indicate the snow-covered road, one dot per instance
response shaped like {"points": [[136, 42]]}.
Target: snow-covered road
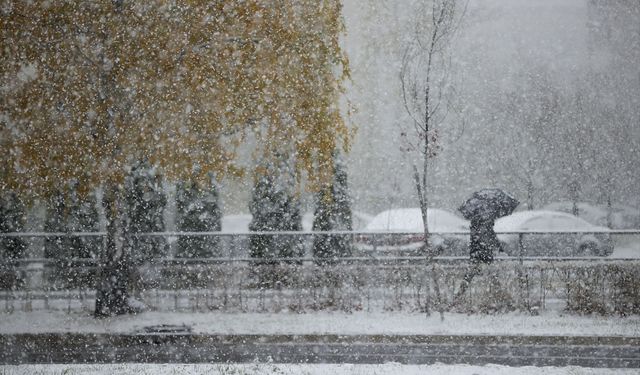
{"points": [[598, 351]]}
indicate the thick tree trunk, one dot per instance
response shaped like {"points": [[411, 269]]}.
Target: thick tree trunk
{"points": [[114, 267]]}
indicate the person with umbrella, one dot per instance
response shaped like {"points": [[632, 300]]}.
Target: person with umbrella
{"points": [[482, 209], [483, 242]]}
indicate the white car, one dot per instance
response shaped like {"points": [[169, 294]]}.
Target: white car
{"points": [[450, 233], [587, 239], [620, 217]]}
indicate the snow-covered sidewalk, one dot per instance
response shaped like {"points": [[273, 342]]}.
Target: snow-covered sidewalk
{"points": [[358, 323], [290, 369]]}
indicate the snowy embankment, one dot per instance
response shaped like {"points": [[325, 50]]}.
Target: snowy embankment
{"points": [[318, 369], [357, 323]]}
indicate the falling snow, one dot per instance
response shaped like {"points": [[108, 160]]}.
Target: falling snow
{"points": [[374, 186]]}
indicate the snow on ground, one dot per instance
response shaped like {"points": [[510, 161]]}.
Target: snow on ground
{"points": [[548, 323], [286, 369]]}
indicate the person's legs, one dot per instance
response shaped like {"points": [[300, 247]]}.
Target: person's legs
{"points": [[475, 269]]}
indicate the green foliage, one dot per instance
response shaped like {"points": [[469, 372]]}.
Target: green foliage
{"points": [[12, 219], [274, 207], [144, 203], [198, 211], [93, 85], [333, 213], [68, 212]]}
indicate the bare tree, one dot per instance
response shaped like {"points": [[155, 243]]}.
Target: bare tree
{"points": [[531, 111], [425, 77]]}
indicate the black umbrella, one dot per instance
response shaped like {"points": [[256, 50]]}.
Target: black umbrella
{"points": [[488, 204]]}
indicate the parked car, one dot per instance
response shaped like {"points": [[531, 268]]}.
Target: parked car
{"points": [[402, 233], [618, 216], [589, 240]]}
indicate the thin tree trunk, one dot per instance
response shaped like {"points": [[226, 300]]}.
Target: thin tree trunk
{"points": [[530, 190], [464, 285], [609, 211], [113, 273], [422, 197]]}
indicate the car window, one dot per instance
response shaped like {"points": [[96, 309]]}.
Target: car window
{"points": [[563, 223], [538, 223]]}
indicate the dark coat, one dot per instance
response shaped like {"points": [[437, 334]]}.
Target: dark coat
{"points": [[484, 241]]}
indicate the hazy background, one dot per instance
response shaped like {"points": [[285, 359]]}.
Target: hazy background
{"points": [[527, 51], [573, 62]]}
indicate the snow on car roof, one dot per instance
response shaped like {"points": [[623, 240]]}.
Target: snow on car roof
{"points": [[622, 216], [542, 220], [236, 223], [410, 220]]}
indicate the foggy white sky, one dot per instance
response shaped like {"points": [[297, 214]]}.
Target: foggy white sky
{"points": [[498, 37], [500, 41]]}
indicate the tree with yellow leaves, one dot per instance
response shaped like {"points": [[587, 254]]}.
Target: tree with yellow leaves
{"points": [[91, 87]]}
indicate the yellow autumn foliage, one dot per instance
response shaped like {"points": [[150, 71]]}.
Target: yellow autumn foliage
{"points": [[89, 86]]}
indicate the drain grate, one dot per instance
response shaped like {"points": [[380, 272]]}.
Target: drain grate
{"points": [[167, 328]]}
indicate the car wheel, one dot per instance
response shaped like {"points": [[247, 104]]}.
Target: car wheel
{"points": [[590, 249], [438, 250], [507, 249]]}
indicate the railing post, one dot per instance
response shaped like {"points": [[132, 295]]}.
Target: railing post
{"points": [[45, 297], [521, 247], [375, 242], [520, 272], [195, 305], [28, 306], [68, 292]]}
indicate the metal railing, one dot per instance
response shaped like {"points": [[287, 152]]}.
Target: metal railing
{"points": [[384, 285], [367, 243], [375, 277]]}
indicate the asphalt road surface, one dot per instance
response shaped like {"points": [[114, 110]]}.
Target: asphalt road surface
{"points": [[603, 352]]}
